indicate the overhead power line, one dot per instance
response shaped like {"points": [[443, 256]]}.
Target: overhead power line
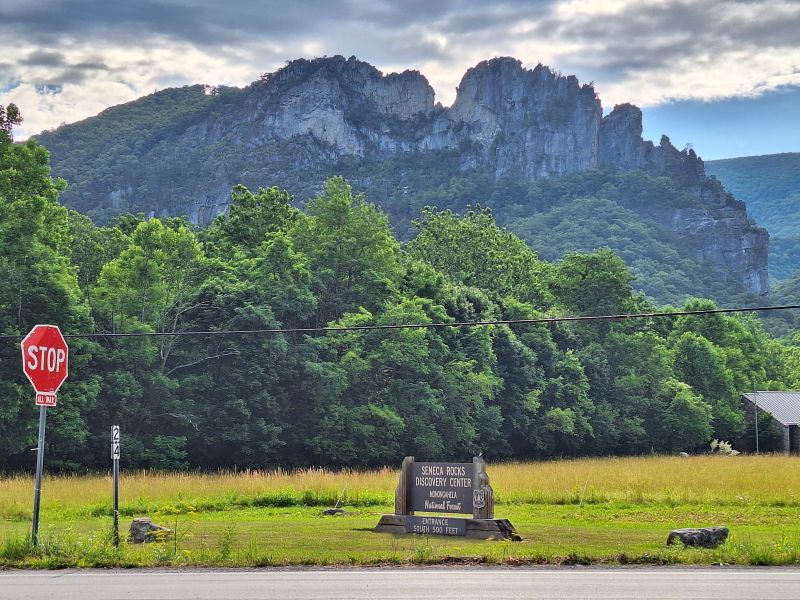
{"points": [[536, 321]]}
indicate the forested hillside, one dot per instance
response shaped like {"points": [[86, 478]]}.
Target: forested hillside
{"points": [[353, 397], [770, 185], [532, 144], [621, 210]]}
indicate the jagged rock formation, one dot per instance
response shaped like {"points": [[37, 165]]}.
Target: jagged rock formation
{"points": [[718, 229], [529, 121], [326, 99], [770, 185], [508, 119], [534, 122]]}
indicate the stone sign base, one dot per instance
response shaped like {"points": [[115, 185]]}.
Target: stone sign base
{"points": [[480, 529]]}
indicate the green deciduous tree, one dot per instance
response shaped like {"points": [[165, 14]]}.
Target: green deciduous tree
{"points": [[702, 366], [352, 254], [38, 285], [687, 418], [593, 284], [250, 218], [473, 250]]}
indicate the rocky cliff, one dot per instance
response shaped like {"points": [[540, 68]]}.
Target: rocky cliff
{"points": [[534, 122], [313, 115], [718, 229]]}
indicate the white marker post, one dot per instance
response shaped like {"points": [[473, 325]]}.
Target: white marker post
{"points": [[115, 453]]}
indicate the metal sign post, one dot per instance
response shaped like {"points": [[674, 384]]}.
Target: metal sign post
{"points": [[755, 401], [37, 489], [45, 362], [115, 452]]}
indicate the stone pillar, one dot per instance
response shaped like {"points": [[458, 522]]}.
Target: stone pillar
{"points": [[482, 493], [402, 495]]}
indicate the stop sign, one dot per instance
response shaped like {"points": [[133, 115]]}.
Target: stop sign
{"points": [[45, 356]]}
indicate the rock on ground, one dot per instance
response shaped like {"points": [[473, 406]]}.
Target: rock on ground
{"points": [[701, 537], [143, 530]]}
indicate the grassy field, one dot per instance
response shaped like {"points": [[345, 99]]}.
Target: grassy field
{"points": [[607, 511]]}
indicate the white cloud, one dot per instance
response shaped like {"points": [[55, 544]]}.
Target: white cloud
{"points": [[74, 61]]}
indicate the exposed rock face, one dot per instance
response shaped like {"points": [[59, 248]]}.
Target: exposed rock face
{"points": [[518, 120], [621, 143], [718, 229], [509, 119], [529, 121], [622, 147], [346, 105]]}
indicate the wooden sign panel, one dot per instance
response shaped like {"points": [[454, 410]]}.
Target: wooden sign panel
{"points": [[461, 488], [436, 525], [442, 487]]}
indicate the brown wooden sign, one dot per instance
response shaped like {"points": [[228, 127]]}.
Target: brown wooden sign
{"points": [[442, 487], [455, 488]]}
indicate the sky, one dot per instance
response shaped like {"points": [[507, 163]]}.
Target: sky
{"points": [[722, 75]]}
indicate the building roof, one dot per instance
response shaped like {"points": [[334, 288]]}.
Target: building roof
{"points": [[783, 406]]}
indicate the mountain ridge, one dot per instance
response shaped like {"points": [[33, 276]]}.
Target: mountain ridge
{"points": [[293, 126]]}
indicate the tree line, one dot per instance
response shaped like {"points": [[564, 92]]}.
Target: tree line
{"points": [[357, 398]]}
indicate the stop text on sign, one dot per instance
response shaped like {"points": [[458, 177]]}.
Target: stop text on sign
{"points": [[46, 359]]}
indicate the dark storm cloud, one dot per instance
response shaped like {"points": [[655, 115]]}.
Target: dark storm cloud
{"points": [[50, 71], [390, 14], [44, 58], [663, 48], [496, 18], [76, 74], [72, 75], [412, 50], [60, 78], [91, 65], [210, 22], [610, 64], [775, 32], [205, 22], [628, 40], [641, 39]]}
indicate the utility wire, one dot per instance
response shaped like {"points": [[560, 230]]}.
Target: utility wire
{"points": [[540, 320]]}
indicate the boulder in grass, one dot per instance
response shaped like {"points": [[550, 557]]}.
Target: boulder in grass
{"points": [[332, 512], [700, 537], [143, 530]]}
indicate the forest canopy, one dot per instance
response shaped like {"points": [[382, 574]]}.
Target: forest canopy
{"points": [[356, 398]]}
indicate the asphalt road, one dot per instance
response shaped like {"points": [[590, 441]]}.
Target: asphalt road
{"points": [[431, 583]]}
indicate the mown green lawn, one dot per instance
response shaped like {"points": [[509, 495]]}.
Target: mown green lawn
{"points": [[557, 534], [601, 510]]}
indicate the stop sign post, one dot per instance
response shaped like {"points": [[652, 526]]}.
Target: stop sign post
{"points": [[45, 362]]}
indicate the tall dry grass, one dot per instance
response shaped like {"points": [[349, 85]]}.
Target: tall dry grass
{"points": [[766, 479], [771, 480], [143, 491]]}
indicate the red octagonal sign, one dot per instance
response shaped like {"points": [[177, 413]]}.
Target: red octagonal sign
{"points": [[45, 357]]}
